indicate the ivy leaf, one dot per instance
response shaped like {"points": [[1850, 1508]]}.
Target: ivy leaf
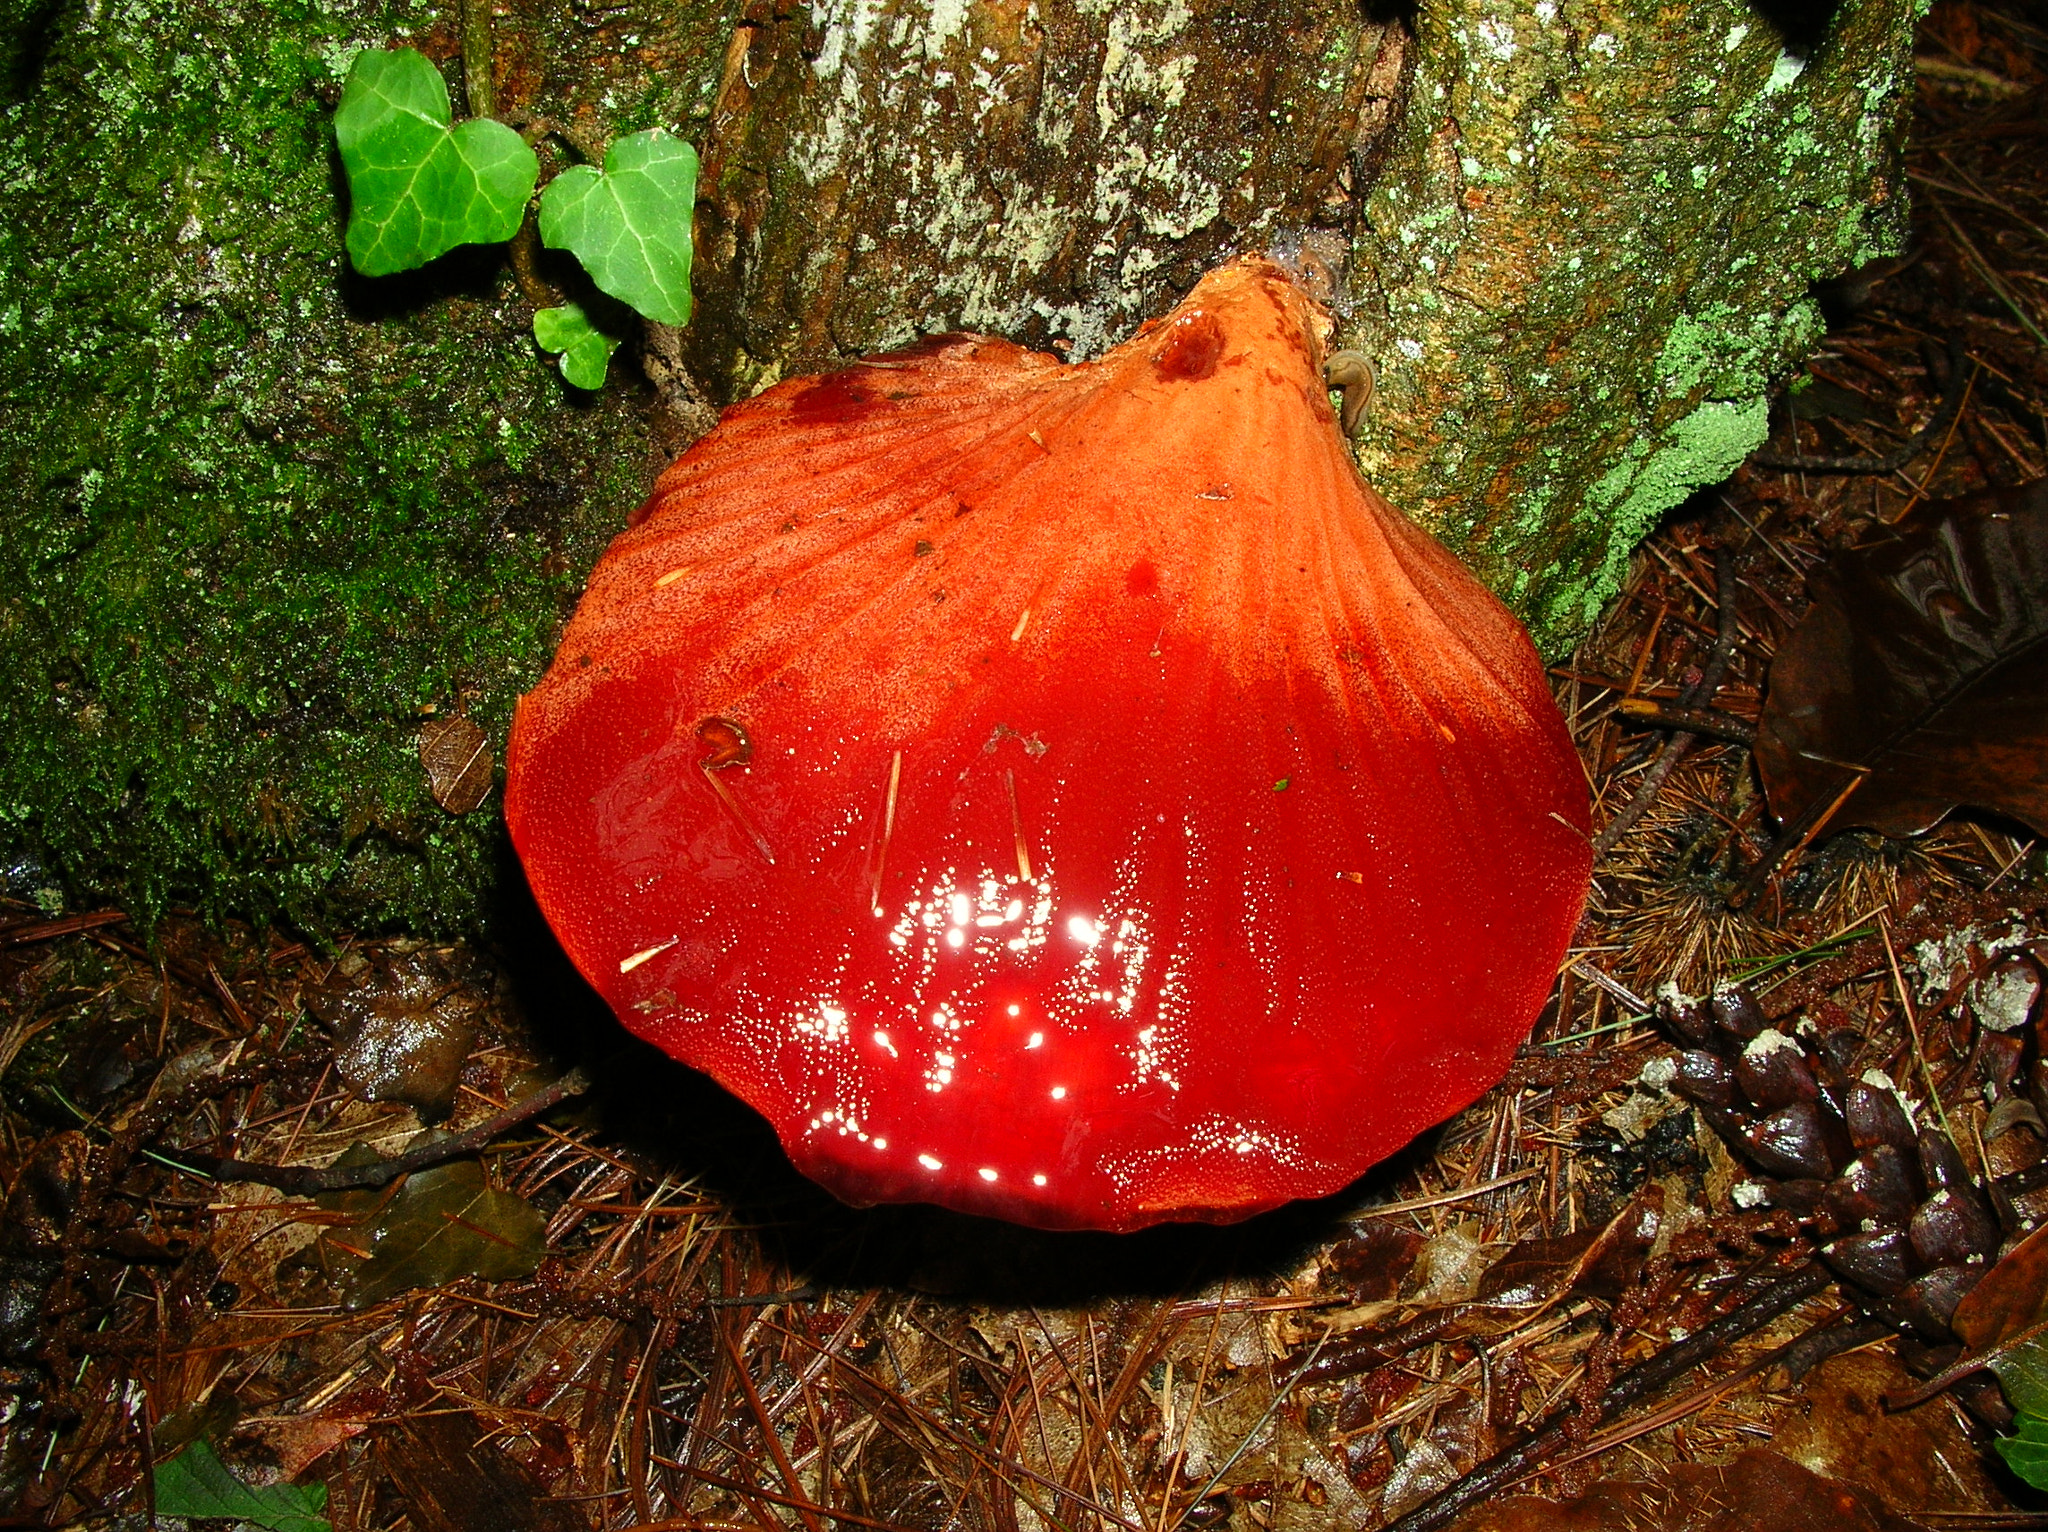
{"points": [[2026, 1450], [1918, 680], [585, 349], [630, 226], [446, 1223], [198, 1483], [416, 188]]}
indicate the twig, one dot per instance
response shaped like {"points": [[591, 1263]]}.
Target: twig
{"points": [[533, 127], [22, 932], [1963, 1366], [764, 1300], [1818, 1345], [1638, 1382], [1906, 1007], [477, 54], [1968, 75], [1697, 695], [1825, 1332], [308, 1180], [1711, 722], [1445, 1199], [1613, 986]]}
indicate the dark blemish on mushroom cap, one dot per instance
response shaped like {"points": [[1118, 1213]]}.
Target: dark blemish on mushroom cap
{"points": [[838, 396], [1194, 345]]}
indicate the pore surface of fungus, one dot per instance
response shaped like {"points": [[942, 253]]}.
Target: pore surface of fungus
{"points": [[1066, 793]]}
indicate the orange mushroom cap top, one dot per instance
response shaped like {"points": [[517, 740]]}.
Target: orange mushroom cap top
{"points": [[1066, 793]]}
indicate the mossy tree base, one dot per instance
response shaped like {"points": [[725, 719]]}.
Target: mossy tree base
{"points": [[1593, 251], [268, 517]]}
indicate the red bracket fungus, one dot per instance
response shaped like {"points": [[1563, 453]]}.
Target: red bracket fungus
{"points": [[1065, 793]]}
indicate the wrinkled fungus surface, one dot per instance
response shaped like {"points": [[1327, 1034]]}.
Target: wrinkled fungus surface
{"points": [[1061, 793]]}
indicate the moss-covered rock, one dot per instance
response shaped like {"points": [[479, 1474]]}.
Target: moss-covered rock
{"points": [[264, 516]]}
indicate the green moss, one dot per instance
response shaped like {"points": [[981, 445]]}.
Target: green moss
{"points": [[264, 515]]}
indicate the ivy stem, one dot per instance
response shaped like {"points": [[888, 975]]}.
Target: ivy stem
{"points": [[533, 128], [523, 250], [477, 53]]}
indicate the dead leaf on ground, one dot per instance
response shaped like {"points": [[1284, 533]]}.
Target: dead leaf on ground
{"points": [[2009, 1299], [255, 1229], [1373, 1261], [403, 1027], [1601, 1261], [1918, 680], [441, 1224], [1758, 1492], [298, 1441], [1452, 1264], [457, 755], [452, 1477], [1920, 1460]]}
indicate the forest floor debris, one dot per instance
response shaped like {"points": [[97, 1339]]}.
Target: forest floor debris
{"points": [[616, 1307]]}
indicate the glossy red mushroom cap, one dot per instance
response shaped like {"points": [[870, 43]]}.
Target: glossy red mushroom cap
{"points": [[1066, 793]]}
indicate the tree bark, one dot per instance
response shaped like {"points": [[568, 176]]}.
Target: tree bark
{"points": [[1582, 233], [1593, 252], [1055, 173]]}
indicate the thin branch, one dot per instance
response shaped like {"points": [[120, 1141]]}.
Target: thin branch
{"points": [[308, 1180], [1711, 722], [477, 55], [1639, 1382]]}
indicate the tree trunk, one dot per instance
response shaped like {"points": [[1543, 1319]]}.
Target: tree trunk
{"points": [[268, 517], [1593, 252], [1582, 233]]}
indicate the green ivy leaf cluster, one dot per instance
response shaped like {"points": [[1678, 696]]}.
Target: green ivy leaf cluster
{"points": [[585, 350], [419, 187]]}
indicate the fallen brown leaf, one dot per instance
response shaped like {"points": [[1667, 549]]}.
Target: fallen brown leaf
{"points": [[1758, 1492], [1918, 680], [457, 755]]}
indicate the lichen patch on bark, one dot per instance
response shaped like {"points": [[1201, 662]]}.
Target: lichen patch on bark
{"points": [[1054, 171], [1590, 257]]}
